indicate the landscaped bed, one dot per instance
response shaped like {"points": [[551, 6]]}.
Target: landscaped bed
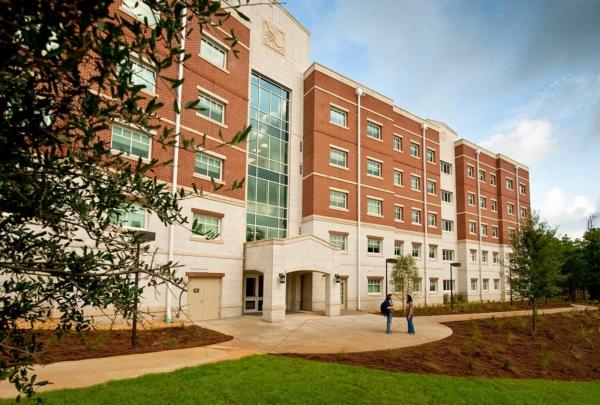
{"points": [[566, 346], [479, 307]]}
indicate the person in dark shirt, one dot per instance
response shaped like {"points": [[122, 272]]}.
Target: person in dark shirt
{"points": [[388, 307]]}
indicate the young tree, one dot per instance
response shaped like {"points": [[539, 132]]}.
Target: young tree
{"points": [[65, 76], [403, 274], [591, 254], [535, 263]]}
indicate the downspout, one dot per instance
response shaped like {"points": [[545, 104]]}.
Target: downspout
{"points": [[169, 317], [425, 218], [359, 93], [479, 226]]}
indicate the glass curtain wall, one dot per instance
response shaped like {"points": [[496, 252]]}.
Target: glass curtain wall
{"points": [[267, 160]]}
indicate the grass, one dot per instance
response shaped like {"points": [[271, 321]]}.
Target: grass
{"points": [[271, 379]]}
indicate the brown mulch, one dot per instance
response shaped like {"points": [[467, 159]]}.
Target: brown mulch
{"points": [[565, 347], [483, 307], [103, 343]]}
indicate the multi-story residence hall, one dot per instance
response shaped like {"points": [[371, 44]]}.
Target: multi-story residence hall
{"points": [[338, 179]]}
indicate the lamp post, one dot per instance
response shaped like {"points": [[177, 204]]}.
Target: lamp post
{"points": [[456, 264], [386, 273]]}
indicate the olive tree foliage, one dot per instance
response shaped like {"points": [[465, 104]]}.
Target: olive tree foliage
{"points": [[65, 76], [535, 263], [403, 274]]}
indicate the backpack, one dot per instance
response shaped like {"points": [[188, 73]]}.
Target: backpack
{"points": [[383, 308]]}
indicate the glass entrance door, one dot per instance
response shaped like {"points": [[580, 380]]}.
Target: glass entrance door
{"points": [[253, 293]]}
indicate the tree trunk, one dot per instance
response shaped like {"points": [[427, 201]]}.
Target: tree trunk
{"points": [[533, 316]]}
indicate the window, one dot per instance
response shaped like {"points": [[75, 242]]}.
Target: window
{"points": [[447, 196], [470, 170], [482, 202], [338, 157], [473, 254], [432, 219], [143, 75], [374, 206], [447, 284], [484, 229], [433, 251], [373, 168], [397, 141], [416, 250], [511, 233], [493, 179], [373, 130], [414, 149], [445, 167], [496, 284], [471, 199], [416, 285], [398, 213], [482, 175], [141, 11], [447, 255], [374, 246], [374, 286], [473, 284], [430, 156], [509, 184], [398, 180], [206, 225], [130, 142], [495, 257], [431, 187], [415, 183], [510, 208], [211, 108], [433, 284], [338, 116], [521, 188], [209, 166], [494, 205], [131, 217], [398, 248], [494, 231], [213, 52], [486, 284], [339, 240], [415, 216], [447, 225], [484, 256], [338, 199], [523, 213], [472, 228]]}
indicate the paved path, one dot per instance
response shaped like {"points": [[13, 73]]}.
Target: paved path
{"points": [[300, 333]]}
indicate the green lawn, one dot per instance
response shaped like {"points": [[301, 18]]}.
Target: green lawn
{"points": [[271, 379]]}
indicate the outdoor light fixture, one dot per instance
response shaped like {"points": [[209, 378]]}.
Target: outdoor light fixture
{"points": [[281, 278], [337, 278]]}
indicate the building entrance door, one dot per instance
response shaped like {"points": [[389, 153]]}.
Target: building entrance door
{"points": [[253, 293]]}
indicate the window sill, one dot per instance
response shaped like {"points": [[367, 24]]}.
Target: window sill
{"points": [[339, 167], [338, 125], [375, 215], [374, 254], [379, 293], [198, 238], [214, 64], [415, 157], [415, 223], [398, 150], [128, 156], [399, 185], [375, 139], [339, 209], [211, 120], [399, 220], [211, 179]]}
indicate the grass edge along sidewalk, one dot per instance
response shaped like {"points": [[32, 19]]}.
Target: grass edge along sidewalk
{"points": [[273, 379]]}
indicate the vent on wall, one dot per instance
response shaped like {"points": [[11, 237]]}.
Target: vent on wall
{"points": [[300, 168]]}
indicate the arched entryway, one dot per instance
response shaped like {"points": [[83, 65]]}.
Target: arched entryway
{"points": [[305, 291]]}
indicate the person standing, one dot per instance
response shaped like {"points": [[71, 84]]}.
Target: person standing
{"points": [[387, 309], [410, 313]]}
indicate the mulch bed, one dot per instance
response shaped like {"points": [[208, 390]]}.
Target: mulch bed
{"points": [[474, 308], [102, 343], [565, 347]]}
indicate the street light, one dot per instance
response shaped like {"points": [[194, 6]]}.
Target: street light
{"points": [[456, 264], [386, 273]]}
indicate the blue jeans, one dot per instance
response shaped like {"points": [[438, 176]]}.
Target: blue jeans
{"points": [[411, 327], [389, 317]]}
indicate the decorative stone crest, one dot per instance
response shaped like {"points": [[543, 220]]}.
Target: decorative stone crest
{"points": [[274, 38]]}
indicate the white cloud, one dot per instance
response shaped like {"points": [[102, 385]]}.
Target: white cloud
{"points": [[529, 141], [569, 214]]}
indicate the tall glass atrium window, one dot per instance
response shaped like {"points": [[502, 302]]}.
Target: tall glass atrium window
{"points": [[267, 160]]}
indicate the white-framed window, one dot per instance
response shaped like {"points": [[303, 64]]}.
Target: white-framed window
{"points": [[509, 184], [471, 199], [206, 225], [447, 196], [430, 156], [493, 179], [431, 189], [447, 225], [433, 284], [473, 254], [523, 213], [433, 251], [472, 228], [374, 286], [416, 250], [522, 189], [415, 183], [494, 205], [339, 240], [416, 285], [482, 202], [398, 178], [133, 217], [338, 199], [495, 257], [213, 52], [496, 284], [130, 142], [494, 231], [397, 142], [141, 11], [481, 175], [338, 116], [486, 284], [484, 256], [432, 219], [415, 216], [374, 245], [470, 171], [373, 130], [374, 168], [445, 167], [510, 208], [212, 108], [473, 284], [374, 207], [209, 166], [447, 255], [338, 157], [398, 248], [142, 74], [483, 229], [511, 233], [398, 213], [414, 149], [447, 285]]}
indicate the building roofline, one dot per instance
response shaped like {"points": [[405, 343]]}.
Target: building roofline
{"points": [[489, 153], [442, 124], [294, 19]]}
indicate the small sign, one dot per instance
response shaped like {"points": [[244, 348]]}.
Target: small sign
{"points": [[196, 290]]}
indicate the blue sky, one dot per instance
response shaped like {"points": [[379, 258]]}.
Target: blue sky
{"points": [[517, 77]]}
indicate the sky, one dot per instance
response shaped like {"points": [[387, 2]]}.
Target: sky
{"points": [[516, 77]]}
